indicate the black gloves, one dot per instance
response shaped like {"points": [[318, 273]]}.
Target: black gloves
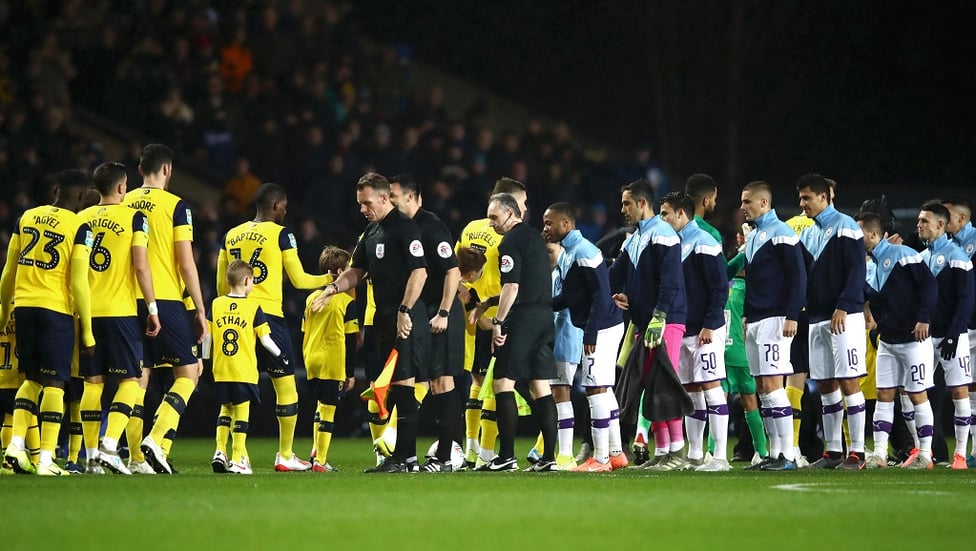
{"points": [[948, 347]]}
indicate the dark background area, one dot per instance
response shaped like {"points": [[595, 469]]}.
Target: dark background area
{"points": [[870, 93]]}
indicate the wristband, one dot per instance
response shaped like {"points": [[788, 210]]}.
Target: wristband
{"points": [[153, 309]]}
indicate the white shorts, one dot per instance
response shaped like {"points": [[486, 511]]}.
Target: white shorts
{"points": [[958, 371], [908, 365], [565, 373], [600, 367], [767, 350], [838, 356], [705, 363]]}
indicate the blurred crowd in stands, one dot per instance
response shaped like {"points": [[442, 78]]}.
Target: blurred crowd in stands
{"points": [[255, 91]]}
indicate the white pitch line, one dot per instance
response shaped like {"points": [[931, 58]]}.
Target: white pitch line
{"points": [[825, 487]]}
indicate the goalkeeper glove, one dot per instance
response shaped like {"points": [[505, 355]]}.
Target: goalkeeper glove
{"points": [[948, 347], [655, 329]]}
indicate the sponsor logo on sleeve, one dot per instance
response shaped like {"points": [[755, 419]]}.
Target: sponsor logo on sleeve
{"points": [[416, 248], [189, 217], [89, 239], [291, 241], [506, 264], [444, 249]]}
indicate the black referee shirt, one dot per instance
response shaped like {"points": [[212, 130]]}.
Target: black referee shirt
{"points": [[389, 250], [438, 252], [523, 259]]}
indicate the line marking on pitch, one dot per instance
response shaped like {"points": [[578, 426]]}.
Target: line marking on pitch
{"points": [[832, 488]]}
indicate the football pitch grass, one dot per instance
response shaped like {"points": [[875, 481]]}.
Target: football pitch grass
{"points": [[196, 509]]}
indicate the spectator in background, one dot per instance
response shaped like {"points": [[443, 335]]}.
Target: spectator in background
{"points": [[236, 61], [242, 187]]}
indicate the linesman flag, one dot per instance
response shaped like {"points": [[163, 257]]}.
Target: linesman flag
{"points": [[379, 388]]}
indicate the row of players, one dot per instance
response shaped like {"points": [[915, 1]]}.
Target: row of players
{"points": [[648, 256]]}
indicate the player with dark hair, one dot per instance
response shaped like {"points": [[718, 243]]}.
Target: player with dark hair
{"points": [[900, 298], [953, 272], [776, 282], [119, 251], [445, 314], [46, 279], [835, 308], [585, 292], [173, 270], [392, 254], [702, 359], [704, 194], [646, 279], [271, 249], [522, 332]]}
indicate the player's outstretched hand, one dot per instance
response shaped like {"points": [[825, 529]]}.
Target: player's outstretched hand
{"points": [[202, 326]]}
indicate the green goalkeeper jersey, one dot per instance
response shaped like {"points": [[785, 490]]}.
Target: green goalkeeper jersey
{"points": [[735, 349]]}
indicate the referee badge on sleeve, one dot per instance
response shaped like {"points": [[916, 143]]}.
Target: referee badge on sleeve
{"points": [[416, 248], [444, 249], [506, 264]]}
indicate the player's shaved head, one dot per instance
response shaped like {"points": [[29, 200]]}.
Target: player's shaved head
{"points": [[959, 204], [72, 179], [870, 222], [268, 195], [564, 210], [237, 272], [760, 189]]}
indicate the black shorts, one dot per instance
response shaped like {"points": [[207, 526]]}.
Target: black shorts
{"points": [[175, 345], [45, 342], [482, 352], [414, 360], [527, 354], [118, 349], [372, 362], [447, 348], [236, 393], [7, 396], [800, 349], [282, 338]]}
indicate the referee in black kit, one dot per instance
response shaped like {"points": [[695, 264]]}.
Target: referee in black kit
{"points": [[446, 318], [522, 332], [392, 253]]}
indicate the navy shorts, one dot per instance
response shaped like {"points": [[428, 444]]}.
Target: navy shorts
{"points": [[414, 359], [74, 390], [327, 391], [7, 396], [175, 345], [118, 349], [447, 348], [236, 393], [282, 338], [45, 342], [527, 354]]}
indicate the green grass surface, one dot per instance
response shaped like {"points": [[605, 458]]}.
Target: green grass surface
{"points": [[884, 509]]}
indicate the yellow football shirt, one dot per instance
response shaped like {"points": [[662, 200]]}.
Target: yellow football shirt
{"points": [[268, 248], [117, 229], [10, 377], [324, 336], [170, 221], [236, 325], [479, 235], [47, 237]]}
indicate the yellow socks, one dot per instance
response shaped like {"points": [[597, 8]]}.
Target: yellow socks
{"points": [[472, 413], [376, 425], [795, 396], [323, 434], [121, 410], [91, 415], [25, 407], [173, 406], [224, 419], [489, 428], [51, 413], [241, 414], [286, 409]]}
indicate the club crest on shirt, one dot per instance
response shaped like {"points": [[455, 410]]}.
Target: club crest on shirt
{"points": [[886, 264], [380, 250], [687, 247], [763, 235], [416, 248], [444, 249], [940, 260], [969, 249], [829, 232], [506, 264]]}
